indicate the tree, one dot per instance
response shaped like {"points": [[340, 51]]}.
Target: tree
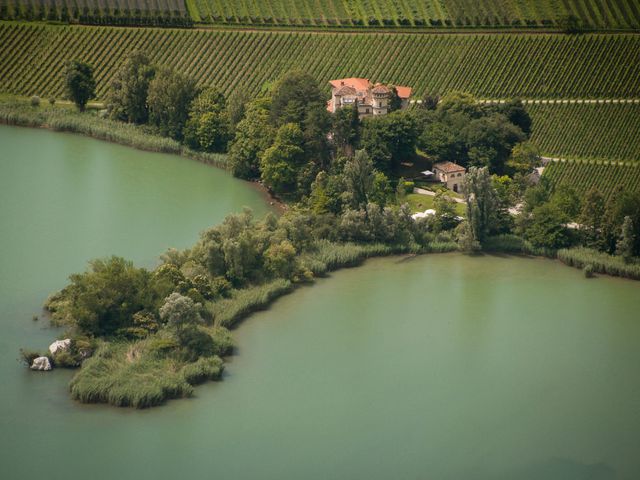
{"points": [[395, 102], [79, 82], [104, 299], [546, 227], [345, 129], [517, 114], [127, 96], [525, 156], [430, 102], [254, 134], [625, 245], [359, 174], [280, 163], [491, 138], [591, 218], [169, 99], [439, 141], [208, 127], [293, 97], [622, 203], [390, 139], [179, 311], [236, 106], [280, 260], [481, 200]]}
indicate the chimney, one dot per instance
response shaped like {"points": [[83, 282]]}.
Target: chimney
{"points": [[342, 84]]}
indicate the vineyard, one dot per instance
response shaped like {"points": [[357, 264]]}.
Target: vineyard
{"points": [[99, 12], [582, 175], [542, 66], [597, 131], [590, 14], [419, 13]]}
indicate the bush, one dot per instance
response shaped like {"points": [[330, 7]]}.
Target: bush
{"points": [[408, 186], [35, 101], [52, 101]]}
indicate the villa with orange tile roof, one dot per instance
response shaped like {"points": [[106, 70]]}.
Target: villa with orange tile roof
{"points": [[369, 98]]}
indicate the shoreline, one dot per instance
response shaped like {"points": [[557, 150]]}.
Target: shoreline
{"points": [[203, 157]]}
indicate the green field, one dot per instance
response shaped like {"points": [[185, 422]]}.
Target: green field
{"points": [[582, 175], [416, 13], [588, 131], [542, 66]]}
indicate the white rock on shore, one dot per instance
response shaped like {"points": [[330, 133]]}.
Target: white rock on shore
{"points": [[41, 363], [59, 345]]}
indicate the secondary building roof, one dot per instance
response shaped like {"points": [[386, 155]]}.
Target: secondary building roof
{"points": [[448, 167]]}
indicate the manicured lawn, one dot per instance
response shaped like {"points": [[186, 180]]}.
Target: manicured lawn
{"points": [[420, 203]]}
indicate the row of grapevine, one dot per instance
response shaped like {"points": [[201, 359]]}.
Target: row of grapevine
{"points": [[99, 12], [587, 130], [582, 175], [420, 13], [490, 66]]}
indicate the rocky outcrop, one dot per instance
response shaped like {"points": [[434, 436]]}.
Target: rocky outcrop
{"points": [[59, 345], [41, 363]]}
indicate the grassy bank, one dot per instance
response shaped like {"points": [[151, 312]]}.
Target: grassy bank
{"points": [[19, 112]]}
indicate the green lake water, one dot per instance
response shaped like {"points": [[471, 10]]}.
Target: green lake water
{"points": [[435, 367]]}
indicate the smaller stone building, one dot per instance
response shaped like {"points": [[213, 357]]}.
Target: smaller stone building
{"points": [[450, 174]]}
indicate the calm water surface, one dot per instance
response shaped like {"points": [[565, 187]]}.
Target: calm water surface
{"points": [[438, 367]]}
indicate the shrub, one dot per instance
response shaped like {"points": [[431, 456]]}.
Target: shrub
{"points": [[52, 101], [35, 101]]}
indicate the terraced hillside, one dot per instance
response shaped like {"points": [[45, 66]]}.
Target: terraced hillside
{"points": [[419, 13], [32, 58], [581, 175], [587, 130]]}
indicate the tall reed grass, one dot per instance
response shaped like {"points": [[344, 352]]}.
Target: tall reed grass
{"points": [[599, 262]]}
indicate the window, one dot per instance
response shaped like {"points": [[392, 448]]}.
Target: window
{"points": [[366, 111]]}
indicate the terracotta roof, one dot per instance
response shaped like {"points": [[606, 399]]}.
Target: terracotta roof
{"points": [[357, 83], [448, 167], [403, 92], [346, 90], [380, 89]]}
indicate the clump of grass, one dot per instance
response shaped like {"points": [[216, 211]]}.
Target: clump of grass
{"points": [[203, 369]]}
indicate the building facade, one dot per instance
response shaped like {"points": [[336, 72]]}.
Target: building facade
{"points": [[369, 98], [450, 174]]}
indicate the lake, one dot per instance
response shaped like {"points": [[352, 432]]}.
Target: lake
{"points": [[434, 367]]}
